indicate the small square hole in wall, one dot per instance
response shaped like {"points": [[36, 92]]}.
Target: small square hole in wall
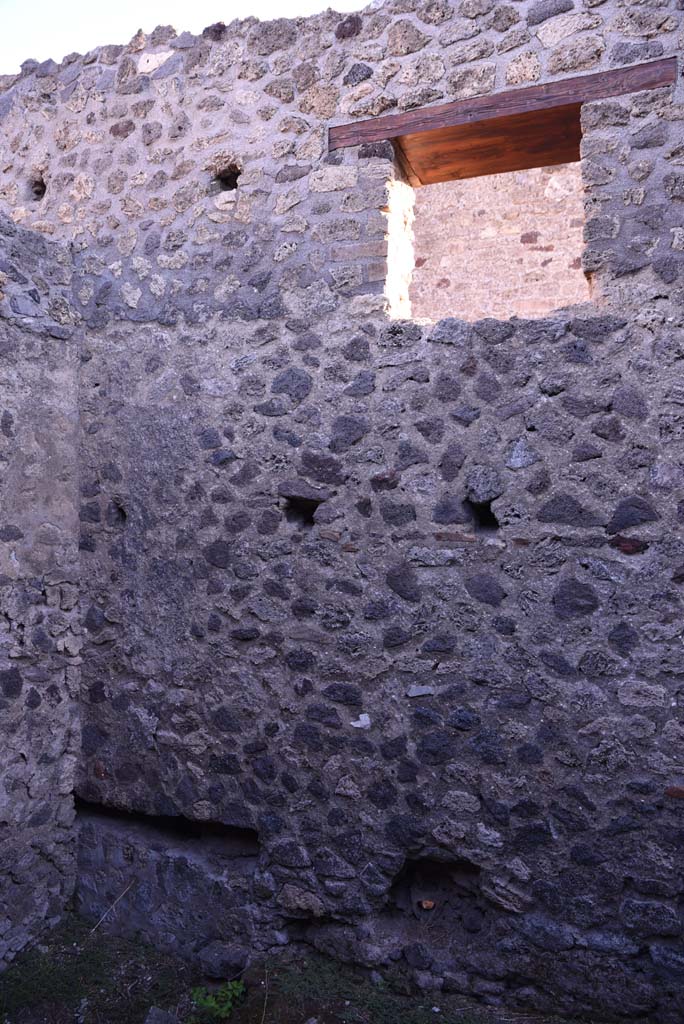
{"points": [[37, 188], [226, 178], [499, 246]]}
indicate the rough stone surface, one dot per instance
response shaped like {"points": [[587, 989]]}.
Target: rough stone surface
{"points": [[39, 627], [315, 625]]}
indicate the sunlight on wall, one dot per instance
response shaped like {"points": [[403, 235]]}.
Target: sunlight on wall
{"points": [[400, 257], [499, 246]]}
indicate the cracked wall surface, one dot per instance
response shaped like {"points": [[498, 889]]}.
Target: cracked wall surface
{"points": [[389, 595]]}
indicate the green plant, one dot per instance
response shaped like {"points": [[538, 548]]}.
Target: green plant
{"points": [[217, 1004]]}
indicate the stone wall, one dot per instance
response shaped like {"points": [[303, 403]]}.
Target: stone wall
{"points": [[39, 630], [403, 599], [499, 246]]}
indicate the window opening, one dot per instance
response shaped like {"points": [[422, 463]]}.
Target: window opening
{"points": [[453, 252], [502, 245]]}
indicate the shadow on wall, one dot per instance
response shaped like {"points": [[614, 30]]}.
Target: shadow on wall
{"points": [[181, 884]]}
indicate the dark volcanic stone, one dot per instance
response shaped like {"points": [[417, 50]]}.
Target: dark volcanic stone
{"points": [[300, 660], [357, 73], [10, 683], [290, 854], [324, 468], [485, 588], [544, 9], [435, 748], [92, 739], [10, 532], [293, 382], [94, 620], [225, 720], [403, 580], [344, 693], [630, 402], [450, 509], [324, 715], [610, 428], [395, 636], [349, 27], [382, 793], [668, 960], [441, 643], [648, 917], [219, 553], [409, 455], [564, 508], [220, 960], [623, 638], [347, 431], [585, 451], [397, 513], [451, 462], [572, 599], [362, 385], [632, 511]]}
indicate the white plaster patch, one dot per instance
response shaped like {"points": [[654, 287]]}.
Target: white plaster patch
{"points": [[288, 200], [175, 262], [285, 250], [225, 200], [419, 691], [551, 32], [333, 179], [141, 266], [157, 285], [131, 295], [148, 62]]}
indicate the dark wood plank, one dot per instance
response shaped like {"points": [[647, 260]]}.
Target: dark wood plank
{"points": [[580, 89], [515, 143]]}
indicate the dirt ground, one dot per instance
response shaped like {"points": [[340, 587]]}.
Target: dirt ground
{"points": [[76, 976]]}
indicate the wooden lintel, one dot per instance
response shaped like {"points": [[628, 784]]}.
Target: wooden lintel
{"points": [[501, 144], [405, 164], [567, 91]]}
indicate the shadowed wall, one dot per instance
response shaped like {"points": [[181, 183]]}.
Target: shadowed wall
{"points": [[386, 595]]}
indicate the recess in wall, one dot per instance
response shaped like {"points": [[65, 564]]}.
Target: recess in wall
{"points": [[301, 511], [227, 178], [482, 516], [38, 187]]}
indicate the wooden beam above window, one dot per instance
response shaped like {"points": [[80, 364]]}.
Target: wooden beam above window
{"points": [[508, 131], [492, 147]]}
